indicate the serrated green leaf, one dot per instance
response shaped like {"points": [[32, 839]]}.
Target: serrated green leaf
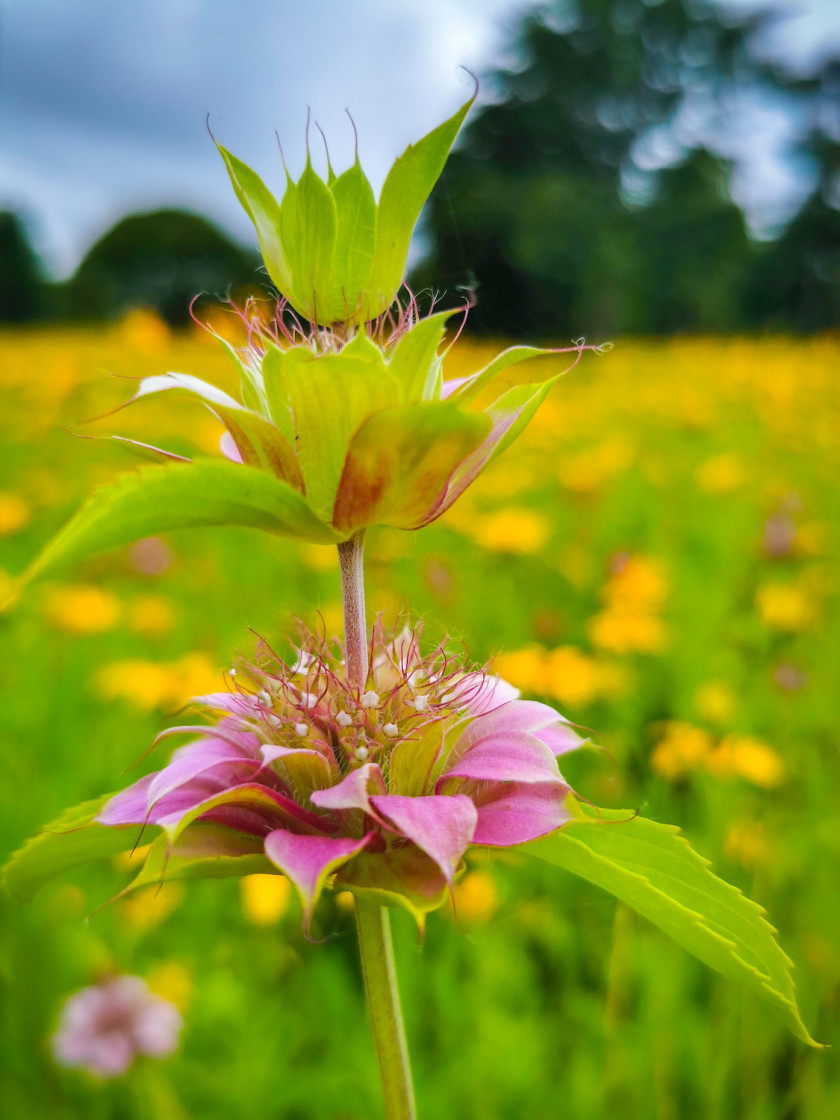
{"points": [[68, 842], [264, 211], [654, 870], [407, 186], [160, 499], [356, 211]]}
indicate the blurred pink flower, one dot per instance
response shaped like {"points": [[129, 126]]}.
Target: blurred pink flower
{"points": [[104, 1027], [383, 787]]}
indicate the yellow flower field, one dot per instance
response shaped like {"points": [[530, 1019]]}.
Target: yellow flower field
{"points": [[657, 555]]}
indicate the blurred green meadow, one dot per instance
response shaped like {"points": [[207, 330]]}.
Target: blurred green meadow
{"points": [[656, 556]]}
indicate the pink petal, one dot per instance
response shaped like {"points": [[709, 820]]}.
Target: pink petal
{"points": [[308, 860], [511, 757], [227, 446], [129, 806], [516, 813], [484, 693], [352, 792], [441, 826], [227, 764], [236, 703], [522, 715]]}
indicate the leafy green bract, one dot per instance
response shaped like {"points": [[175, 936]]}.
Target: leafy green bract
{"points": [[654, 870]]}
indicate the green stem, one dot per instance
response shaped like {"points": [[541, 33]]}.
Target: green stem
{"points": [[373, 921], [383, 1001], [351, 561]]}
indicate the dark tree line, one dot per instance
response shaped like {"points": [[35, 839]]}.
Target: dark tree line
{"points": [[159, 260], [548, 212], [550, 209]]}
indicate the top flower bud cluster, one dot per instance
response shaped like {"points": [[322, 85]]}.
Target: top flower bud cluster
{"points": [[334, 253]]}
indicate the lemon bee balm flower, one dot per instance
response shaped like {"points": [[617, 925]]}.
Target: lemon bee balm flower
{"points": [[380, 788]]}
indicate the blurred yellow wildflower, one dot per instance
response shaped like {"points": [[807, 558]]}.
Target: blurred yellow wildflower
{"points": [[681, 749], [720, 474], [571, 677], [173, 981], [633, 594], [82, 608], [715, 701], [476, 897], [785, 606], [744, 756], [746, 843], [684, 748], [627, 631], [265, 898], [513, 529], [147, 684], [143, 330], [151, 905], [14, 513], [151, 614]]}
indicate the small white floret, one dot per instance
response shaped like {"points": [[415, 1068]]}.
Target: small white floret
{"points": [[420, 703], [361, 754], [308, 699], [343, 719], [265, 698], [370, 699], [302, 729], [391, 730], [231, 672]]}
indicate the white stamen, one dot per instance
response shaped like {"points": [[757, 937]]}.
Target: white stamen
{"points": [[308, 699], [361, 754], [275, 721], [343, 719], [391, 730], [420, 703], [302, 729], [265, 698], [370, 699], [304, 660], [231, 672]]}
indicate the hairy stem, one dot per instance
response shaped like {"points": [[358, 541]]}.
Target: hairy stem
{"points": [[351, 561], [383, 1001], [372, 921]]}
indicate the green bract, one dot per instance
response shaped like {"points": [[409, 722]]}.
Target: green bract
{"points": [[326, 439], [335, 253]]}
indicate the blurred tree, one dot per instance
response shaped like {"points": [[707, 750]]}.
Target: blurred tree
{"points": [[579, 199], [796, 280], [23, 293], [160, 260]]}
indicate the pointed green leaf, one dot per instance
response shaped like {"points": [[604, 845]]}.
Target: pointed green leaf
{"points": [[652, 868], [399, 462], [262, 208], [479, 381], [414, 362], [308, 228], [160, 499], [356, 211], [408, 185], [330, 399], [68, 842], [522, 401]]}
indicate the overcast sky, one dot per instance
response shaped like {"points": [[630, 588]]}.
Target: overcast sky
{"points": [[103, 103]]}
